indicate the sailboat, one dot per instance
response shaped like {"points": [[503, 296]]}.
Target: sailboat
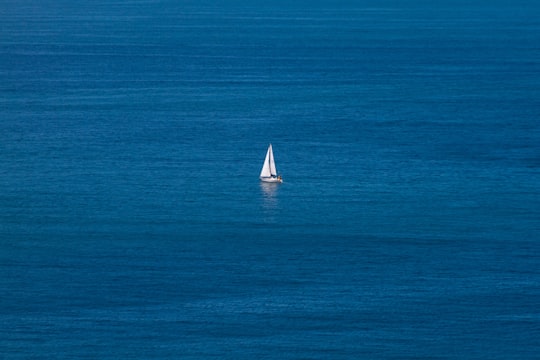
{"points": [[269, 172]]}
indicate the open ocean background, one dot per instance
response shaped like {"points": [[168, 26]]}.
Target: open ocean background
{"points": [[133, 224]]}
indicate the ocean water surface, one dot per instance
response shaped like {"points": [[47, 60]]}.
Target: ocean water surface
{"points": [[133, 223]]}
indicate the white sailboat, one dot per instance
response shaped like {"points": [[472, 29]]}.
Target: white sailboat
{"points": [[269, 172]]}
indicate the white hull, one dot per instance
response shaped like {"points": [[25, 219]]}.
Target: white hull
{"points": [[271, 179]]}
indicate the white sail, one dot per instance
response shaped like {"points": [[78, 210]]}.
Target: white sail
{"points": [[268, 162], [268, 171]]}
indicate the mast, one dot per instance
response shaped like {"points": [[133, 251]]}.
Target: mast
{"points": [[273, 171]]}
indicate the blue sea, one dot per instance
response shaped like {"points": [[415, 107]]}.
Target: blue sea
{"points": [[133, 224]]}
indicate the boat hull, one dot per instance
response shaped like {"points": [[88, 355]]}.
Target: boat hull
{"points": [[271, 179]]}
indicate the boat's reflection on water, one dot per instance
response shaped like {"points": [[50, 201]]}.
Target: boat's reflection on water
{"points": [[269, 195]]}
